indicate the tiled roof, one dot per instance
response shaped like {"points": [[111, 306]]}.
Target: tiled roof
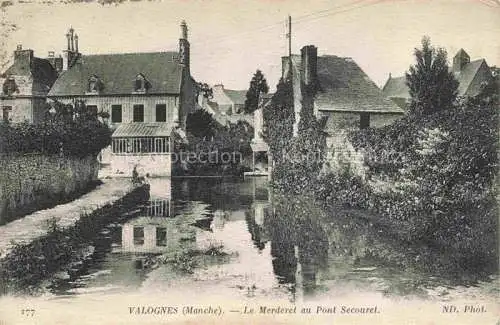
{"points": [[397, 88], [137, 129], [238, 97], [466, 76], [118, 72], [41, 71], [343, 86]]}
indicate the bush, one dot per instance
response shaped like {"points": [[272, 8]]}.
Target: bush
{"points": [[72, 136]]}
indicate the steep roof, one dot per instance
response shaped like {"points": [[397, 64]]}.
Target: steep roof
{"points": [[41, 71], [156, 129], [397, 88], [236, 96], [344, 86], [466, 76], [117, 72]]}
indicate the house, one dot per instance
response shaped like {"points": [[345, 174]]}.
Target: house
{"points": [[338, 90], [228, 101], [25, 85], [226, 105], [470, 75], [147, 96]]}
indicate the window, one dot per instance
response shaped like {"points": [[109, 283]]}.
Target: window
{"points": [[158, 208], [138, 113], [161, 236], [138, 235], [95, 84], [141, 145], [161, 113], [364, 121], [9, 86], [116, 113], [141, 84], [5, 113], [92, 110]]}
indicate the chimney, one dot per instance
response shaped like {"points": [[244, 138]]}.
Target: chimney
{"points": [[58, 64], [309, 67], [184, 30], [184, 46], [460, 60], [51, 58], [72, 39], [71, 53], [23, 58], [76, 43]]}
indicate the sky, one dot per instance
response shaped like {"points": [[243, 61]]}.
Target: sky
{"points": [[231, 39]]}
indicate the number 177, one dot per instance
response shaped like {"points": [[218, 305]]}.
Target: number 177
{"points": [[28, 312]]}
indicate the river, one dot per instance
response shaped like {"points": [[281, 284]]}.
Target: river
{"points": [[233, 240]]}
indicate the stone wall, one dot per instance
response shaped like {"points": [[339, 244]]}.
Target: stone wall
{"points": [[32, 182], [341, 157], [127, 103]]}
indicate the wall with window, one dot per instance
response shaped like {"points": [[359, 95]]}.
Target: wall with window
{"points": [[155, 235], [354, 120], [16, 110], [123, 109]]}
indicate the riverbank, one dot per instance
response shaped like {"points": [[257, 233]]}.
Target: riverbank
{"points": [[33, 226], [57, 240]]}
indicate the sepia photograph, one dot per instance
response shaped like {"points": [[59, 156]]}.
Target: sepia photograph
{"points": [[249, 162]]}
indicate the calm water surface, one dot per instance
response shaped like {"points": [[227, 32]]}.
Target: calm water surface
{"points": [[277, 247]]}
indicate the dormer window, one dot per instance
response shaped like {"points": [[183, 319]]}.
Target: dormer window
{"points": [[141, 84], [9, 86], [95, 85]]}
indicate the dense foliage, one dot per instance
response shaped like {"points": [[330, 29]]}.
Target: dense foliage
{"points": [[298, 159], [258, 85], [210, 145], [440, 169], [70, 130], [431, 85], [201, 124], [278, 120]]}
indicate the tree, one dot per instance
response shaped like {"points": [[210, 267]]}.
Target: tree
{"points": [[431, 85], [201, 124], [205, 90], [258, 84], [279, 117]]}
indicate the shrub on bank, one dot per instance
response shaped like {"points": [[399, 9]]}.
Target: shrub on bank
{"points": [[446, 168], [71, 131]]}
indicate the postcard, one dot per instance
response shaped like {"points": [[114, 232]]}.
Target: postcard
{"points": [[256, 162]]}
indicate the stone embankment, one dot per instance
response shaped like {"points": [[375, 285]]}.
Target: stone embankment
{"points": [[36, 225]]}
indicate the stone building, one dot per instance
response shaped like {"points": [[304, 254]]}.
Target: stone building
{"points": [[25, 85], [147, 97], [131, 87], [338, 90], [470, 75]]}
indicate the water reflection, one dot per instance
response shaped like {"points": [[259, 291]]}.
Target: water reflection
{"points": [[283, 245]]}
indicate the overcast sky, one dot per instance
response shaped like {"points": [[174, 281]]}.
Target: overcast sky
{"points": [[231, 39]]}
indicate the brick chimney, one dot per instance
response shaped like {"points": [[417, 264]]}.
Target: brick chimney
{"points": [[23, 58], [309, 67], [71, 53], [184, 46], [459, 60]]}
